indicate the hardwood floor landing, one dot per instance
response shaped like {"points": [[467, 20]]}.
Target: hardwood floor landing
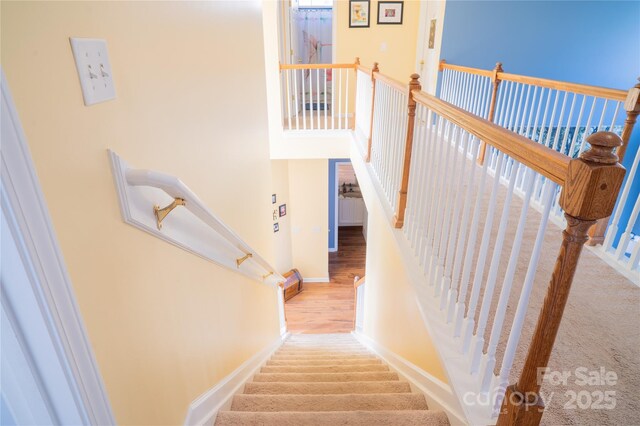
{"points": [[328, 308]]}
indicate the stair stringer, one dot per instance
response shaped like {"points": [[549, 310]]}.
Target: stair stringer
{"points": [[465, 386]]}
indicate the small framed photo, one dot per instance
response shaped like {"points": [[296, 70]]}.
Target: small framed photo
{"points": [[359, 13], [273, 198], [276, 227], [390, 12], [283, 210]]}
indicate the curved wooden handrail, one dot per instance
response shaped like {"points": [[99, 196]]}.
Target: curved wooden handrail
{"points": [[314, 66], [581, 89], [391, 82], [357, 282], [540, 158]]}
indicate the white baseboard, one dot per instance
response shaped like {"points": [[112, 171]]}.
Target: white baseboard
{"points": [[316, 280], [203, 410], [439, 395]]}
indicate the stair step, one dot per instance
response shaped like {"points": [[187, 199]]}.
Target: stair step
{"points": [[333, 361], [325, 377], [345, 402], [323, 368], [341, 356], [333, 418], [323, 388], [321, 352]]}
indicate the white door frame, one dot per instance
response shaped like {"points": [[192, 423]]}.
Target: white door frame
{"points": [[23, 202], [336, 201]]}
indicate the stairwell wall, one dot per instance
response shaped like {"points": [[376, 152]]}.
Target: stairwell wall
{"points": [[165, 325]]}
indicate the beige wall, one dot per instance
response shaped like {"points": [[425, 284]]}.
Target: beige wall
{"points": [[392, 46], [282, 238], [309, 194], [165, 325]]}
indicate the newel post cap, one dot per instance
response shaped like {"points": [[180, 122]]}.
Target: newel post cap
{"points": [[594, 180], [414, 84]]}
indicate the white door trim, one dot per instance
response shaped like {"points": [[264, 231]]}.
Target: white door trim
{"points": [[23, 198]]}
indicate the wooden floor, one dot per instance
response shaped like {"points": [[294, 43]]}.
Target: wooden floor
{"points": [[328, 308]]}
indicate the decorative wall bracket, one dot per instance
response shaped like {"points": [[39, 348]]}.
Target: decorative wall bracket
{"points": [[264, 277], [161, 213], [242, 259]]}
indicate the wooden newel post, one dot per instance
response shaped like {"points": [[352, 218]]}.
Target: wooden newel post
{"points": [[589, 194], [632, 106], [492, 107], [374, 70], [398, 219]]}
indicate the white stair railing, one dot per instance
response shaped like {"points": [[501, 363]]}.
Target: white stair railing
{"points": [[317, 96], [560, 116]]}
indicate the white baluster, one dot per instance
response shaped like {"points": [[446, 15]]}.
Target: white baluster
{"points": [[507, 284], [604, 111], [612, 229], [482, 257], [623, 243], [326, 106], [491, 279], [295, 91], [525, 293], [587, 128], [576, 130], [471, 249]]}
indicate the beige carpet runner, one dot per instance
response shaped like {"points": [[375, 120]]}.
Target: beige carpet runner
{"points": [[328, 379]]}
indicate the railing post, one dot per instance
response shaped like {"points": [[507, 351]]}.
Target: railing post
{"points": [[374, 70], [492, 107], [632, 106], [398, 219], [589, 193]]}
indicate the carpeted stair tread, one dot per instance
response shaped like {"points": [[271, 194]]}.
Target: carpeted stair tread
{"points": [[323, 388], [334, 418], [322, 352], [335, 356], [331, 361], [326, 377], [323, 368], [345, 402]]}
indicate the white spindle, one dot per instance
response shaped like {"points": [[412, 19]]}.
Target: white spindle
{"points": [[304, 104], [612, 230], [525, 293], [507, 283], [333, 98], [346, 101], [491, 278], [482, 257], [623, 243], [295, 91], [339, 98], [604, 111], [311, 114]]}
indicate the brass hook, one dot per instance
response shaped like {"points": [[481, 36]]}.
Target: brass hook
{"points": [[242, 259], [264, 277], [162, 213]]}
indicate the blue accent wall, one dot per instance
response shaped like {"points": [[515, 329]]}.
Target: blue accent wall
{"points": [[588, 42], [333, 220]]}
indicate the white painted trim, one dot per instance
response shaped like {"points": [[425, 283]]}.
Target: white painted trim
{"points": [[24, 197], [439, 395], [203, 410], [316, 280], [333, 250]]}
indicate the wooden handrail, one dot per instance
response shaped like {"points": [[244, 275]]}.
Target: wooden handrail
{"points": [[364, 69], [391, 82], [540, 158], [444, 65], [357, 282], [582, 89], [315, 66]]}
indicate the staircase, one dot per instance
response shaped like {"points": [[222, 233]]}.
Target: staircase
{"points": [[328, 379]]}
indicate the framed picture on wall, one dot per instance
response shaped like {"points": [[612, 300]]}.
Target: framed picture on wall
{"points": [[359, 13], [276, 227], [283, 210], [273, 198], [390, 12]]}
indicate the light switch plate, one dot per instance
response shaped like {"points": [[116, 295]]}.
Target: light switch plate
{"points": [[94, 69]]}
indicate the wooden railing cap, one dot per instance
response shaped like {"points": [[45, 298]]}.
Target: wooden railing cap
{"points": [[602, 146]]}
